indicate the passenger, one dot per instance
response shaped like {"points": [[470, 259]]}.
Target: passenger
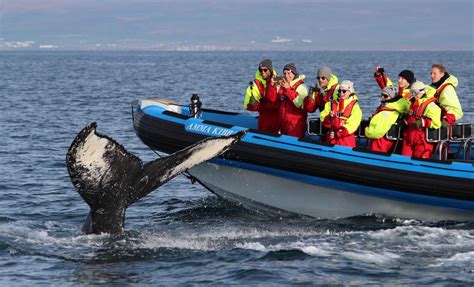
{"points": [[423, 114], [261, 96], [391, 108], [405, 79], [324, 90], [292, 93], [445, 85], [342, 116]]}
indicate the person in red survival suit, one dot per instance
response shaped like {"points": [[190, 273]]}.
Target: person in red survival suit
{"points": [[292, 92], [424, 113], [261, 96], [324, 90]]}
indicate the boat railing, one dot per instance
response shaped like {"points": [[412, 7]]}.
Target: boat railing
{"points": [[444, 137], [459, 134]]}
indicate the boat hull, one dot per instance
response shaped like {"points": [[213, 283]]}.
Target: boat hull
{"points": [[272, 193]]}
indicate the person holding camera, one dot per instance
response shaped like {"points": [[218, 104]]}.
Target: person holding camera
{"points": [[323, 91], [405, 79], [261, 96], [291, 95]]}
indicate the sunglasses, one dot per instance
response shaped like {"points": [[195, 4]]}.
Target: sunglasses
{"points": [[321, 78], [342, 91], [263, 70]]}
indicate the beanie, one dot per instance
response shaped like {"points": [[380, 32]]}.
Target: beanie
{"points": [[291, 67], [267, 63], [346, 84], [324, 72], [390, 91], [408, 75]]}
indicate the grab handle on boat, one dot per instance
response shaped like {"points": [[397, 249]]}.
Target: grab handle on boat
{"points": [[195, 106]]}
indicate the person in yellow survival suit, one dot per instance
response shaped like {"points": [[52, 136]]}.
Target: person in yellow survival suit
{"points": [[424, 113], [405, 79], [342, 116], [324, 90], [261, 96], [392, 107], [445, 85]]}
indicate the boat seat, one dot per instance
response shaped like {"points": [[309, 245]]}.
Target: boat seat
{"points": [[315, 127], [457, 132]]}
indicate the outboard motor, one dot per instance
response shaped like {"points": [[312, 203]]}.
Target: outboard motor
{"points": [[195, 106]]}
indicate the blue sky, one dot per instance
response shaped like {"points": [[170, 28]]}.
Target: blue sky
{"points": [[241, 25]]}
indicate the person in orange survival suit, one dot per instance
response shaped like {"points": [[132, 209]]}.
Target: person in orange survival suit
{"points": [[261, 96], [342, 116], [405, 79], [324, 90], [292, 92], [424, 113]]}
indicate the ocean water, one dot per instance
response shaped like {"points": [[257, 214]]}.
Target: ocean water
{"points": [[181, 234]]}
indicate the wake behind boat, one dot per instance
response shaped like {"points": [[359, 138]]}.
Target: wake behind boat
{"points": [[305, 176]]}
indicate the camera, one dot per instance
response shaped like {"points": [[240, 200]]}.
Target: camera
{"points": [[278, 78]]}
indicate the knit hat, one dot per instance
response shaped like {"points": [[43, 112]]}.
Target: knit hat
{"points": [[324, 72], [267, 63], [291, 67], [348, 85], [408, 75], [390, 91], [417, 87]]}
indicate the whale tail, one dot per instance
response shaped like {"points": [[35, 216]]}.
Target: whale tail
{"points": [[110, 179]]}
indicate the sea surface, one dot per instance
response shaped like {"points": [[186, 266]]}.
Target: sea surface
{"points": [[181, 234]]}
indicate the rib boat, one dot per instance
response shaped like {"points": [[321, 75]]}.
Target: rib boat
{"points": [[285, 174]]}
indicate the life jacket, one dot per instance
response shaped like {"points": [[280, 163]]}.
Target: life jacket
{"points": [[417, 110], [337, 110], [260, 86], [292, 115], [297, 83], [438, 93], [441, 88]]}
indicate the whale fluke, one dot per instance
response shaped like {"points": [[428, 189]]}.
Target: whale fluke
{"points": [[110, 179]]}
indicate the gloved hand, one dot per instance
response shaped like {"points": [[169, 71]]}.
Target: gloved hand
{"points": [[378, 71], [418, 124], [318, 89], [252, 101], [342, 132], [445, 124]]}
